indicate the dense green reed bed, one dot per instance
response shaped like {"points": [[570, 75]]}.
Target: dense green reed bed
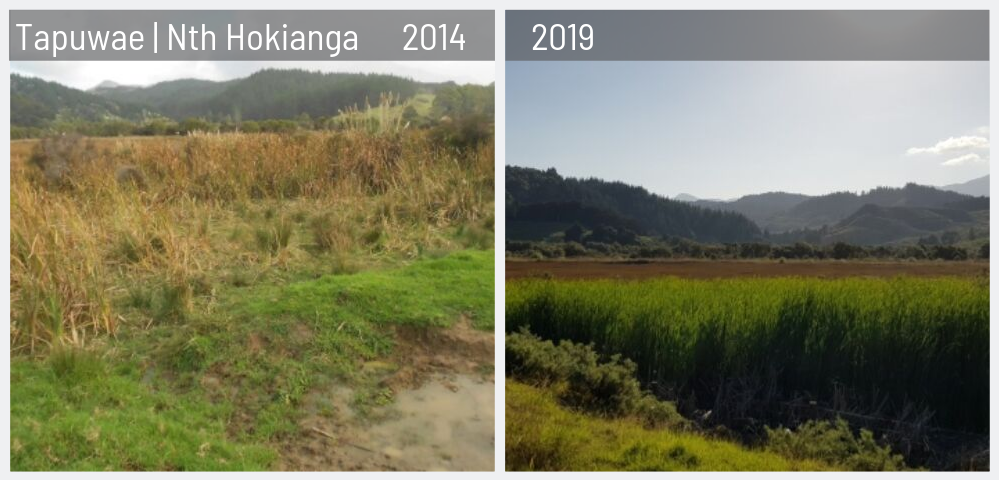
{"points": [[910, 341]]}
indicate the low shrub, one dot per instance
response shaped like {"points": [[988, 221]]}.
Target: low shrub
{"points": [[835, 443], [586, 380]]}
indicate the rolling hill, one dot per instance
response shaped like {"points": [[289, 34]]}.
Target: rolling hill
{"points": [[816, 212], [649, 213], [543, 203], [759, 207], [875, 225], [34, 101], [777, 212], [266, 94], [175, 98]]}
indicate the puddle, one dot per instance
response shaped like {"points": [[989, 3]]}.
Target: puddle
{"points": [[447, 423], [435, 410]]}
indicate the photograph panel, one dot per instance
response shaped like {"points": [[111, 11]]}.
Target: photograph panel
{"points": [[252, 266], [736, 265]]}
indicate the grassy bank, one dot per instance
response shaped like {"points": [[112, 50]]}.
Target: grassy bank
{"points": [[542, 435]]}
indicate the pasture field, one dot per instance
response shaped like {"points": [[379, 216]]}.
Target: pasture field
{"points": [[903, 356], [245, 301]]}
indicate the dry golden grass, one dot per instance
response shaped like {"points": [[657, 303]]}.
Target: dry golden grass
{"points": [[91, 218]]}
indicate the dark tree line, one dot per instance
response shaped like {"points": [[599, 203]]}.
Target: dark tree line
{"points": [[587, 245]]}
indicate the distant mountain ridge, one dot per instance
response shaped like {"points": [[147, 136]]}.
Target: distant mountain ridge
{"points": [[107, 85], [543, 203], [758, 207], [685, 197], [814, 212], [977, 187], [777, 212]]}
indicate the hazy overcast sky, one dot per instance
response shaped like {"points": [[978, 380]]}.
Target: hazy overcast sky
{"points": [[726, 129], [84, 75]]}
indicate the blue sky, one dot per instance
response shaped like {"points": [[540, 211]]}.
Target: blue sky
{"points": [[726, 129]]}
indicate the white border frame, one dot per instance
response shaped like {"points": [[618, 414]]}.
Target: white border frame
{"points": [[500, 232]]}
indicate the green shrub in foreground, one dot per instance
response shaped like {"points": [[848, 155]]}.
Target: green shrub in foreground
{"points": [[585, 380]]}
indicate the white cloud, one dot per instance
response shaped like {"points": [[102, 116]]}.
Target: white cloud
{"points": [[952, 145], [964, 160], [963, 150]]}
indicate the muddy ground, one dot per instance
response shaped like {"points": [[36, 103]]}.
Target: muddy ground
{"points": [[733, 268], [438, 413]]}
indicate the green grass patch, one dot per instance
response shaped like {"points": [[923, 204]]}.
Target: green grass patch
{"points": [[541, 435], [432, 292], [75, 413], [274, 343]]}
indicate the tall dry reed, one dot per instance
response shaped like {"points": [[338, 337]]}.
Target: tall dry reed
{"points": [[90, 217]]}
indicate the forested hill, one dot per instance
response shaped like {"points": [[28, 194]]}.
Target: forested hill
{"points": [[653, 214], [816, 212], [174, 98], [778, 212], [758, 207], [34, 101], [267, 94]]}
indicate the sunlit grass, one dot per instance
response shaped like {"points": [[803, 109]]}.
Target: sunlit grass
{"points": [[75, 412], [541, 435]]}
